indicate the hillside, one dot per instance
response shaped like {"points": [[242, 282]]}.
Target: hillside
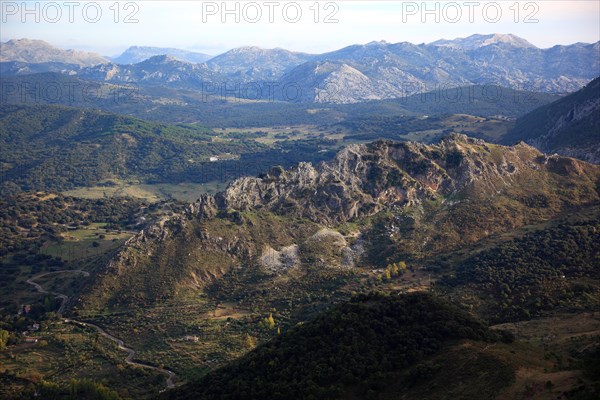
{"points": [[356, 350], [568, 126], [393, 200], [396, 70], [367, 121], [200, 287], [553, 268], [256, 64], [56, 147]]}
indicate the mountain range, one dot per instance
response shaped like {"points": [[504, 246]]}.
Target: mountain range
{"points": [[360, 235], [376, 70], [294, 241]]}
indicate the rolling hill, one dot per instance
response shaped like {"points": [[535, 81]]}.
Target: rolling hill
{"points": [[211, 109], [58, 147]]}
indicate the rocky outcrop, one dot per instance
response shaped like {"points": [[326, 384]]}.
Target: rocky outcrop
{"points": [[436, 197], [204, 208], [364, 179]]}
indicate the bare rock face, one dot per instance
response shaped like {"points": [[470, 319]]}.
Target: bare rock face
{"points": [[142, 245], [363, 179], [278, 261], [204, 208]]}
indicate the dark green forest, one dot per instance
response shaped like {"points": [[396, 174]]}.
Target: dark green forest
{"points": [[354, 348], [556, 268]]}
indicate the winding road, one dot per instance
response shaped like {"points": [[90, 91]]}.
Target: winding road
{"points": [[130, 352], [61, 296]]}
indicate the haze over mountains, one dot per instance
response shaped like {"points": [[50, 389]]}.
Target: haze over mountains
{"points": [[376, 70], [476, 41], [136, 54]]}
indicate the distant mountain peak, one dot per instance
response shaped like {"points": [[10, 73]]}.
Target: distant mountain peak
{"points": [[162, 58], [258, 50], [136, 54], [378, 43], [477, 41], [511, 39], [38, 51], [247, 49]]}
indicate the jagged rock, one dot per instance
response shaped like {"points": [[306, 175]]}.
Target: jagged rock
{"points": [[363, 179], [204, 208]]}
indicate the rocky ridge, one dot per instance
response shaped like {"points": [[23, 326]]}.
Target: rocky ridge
{"points": [[364, 179], [438, 197]]}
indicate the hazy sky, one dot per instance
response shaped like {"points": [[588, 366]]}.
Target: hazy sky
{"points": [[205, 26]]}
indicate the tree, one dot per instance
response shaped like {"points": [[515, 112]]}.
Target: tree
{"points": [[387, 274], [250, 342], [402, 267], [49, 304], [3, 339], [269, 322]]}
